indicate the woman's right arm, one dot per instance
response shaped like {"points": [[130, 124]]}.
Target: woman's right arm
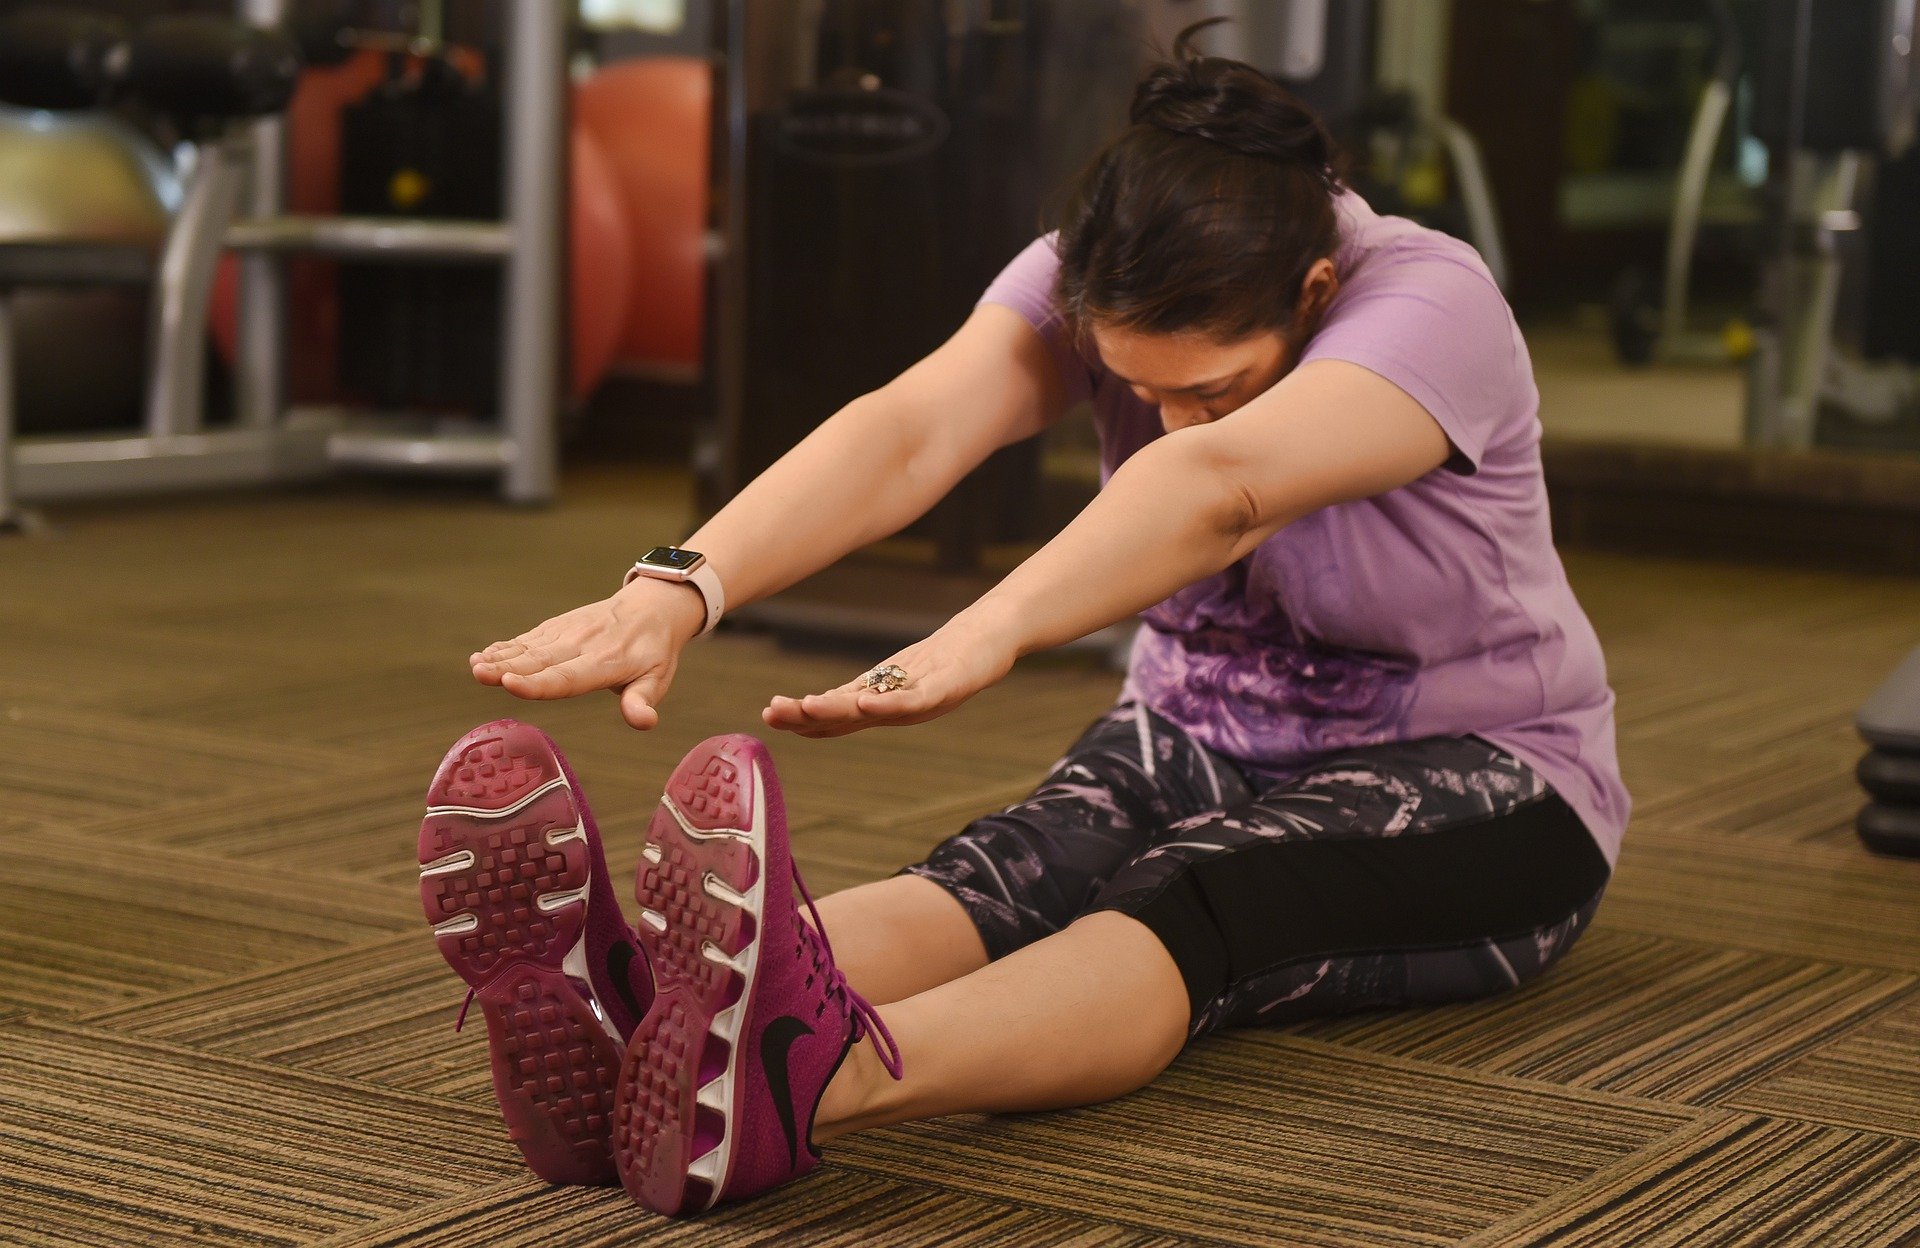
{"points": [[874, 467]]}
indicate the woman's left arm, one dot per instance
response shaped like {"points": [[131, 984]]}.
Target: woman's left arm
{"points": [[1184, 507]]}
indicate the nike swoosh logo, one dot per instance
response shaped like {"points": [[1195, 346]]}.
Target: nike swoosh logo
{"points": [[775, 1042], [619, 961]]}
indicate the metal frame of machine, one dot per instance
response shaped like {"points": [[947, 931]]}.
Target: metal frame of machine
{"points": [[235, 199]]}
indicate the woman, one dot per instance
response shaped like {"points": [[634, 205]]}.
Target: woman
{"points": [[1363, 757]]}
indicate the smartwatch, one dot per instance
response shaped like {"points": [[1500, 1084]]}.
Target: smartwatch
{"points": [[690, 567]]}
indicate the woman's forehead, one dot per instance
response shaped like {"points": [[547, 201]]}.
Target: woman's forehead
{"points": [[1180, 361]]}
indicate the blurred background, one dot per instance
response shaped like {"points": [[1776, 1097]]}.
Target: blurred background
{"points": [[722, 221]]}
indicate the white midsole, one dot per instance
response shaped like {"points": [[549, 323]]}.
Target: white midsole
{"points": [[558, 782], [716, 1167]]}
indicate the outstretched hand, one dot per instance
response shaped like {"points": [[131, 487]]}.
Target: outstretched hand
{"points": [[942, 672], [629, 643]]}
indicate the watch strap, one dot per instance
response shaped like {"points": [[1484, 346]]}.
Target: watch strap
{"points": [[702, 578]]}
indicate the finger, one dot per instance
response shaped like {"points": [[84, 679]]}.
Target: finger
{"points": [[813, 709], [832, 707], [501, 651], [783, 713], [639, 703], [538, 658], [578, 675]]}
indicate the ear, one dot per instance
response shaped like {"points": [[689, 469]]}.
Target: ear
{"points": [[1317, 290]]}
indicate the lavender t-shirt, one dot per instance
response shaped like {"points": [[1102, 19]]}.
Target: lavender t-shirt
{"points": [[1436, 609]]}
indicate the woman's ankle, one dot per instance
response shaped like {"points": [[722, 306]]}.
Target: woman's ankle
{"points": [[857, 1097]]}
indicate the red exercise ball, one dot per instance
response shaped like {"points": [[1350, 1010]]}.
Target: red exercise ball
{"points": [[652, 117], [600, 262]]}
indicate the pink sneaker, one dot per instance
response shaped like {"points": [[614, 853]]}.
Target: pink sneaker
{"points": [[720, 1082], [513, 880]]}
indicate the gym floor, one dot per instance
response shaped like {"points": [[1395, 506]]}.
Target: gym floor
{"points": [[222, 1020]]}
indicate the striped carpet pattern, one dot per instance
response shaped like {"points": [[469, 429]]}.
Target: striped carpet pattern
{"points": [[221, 1020]]}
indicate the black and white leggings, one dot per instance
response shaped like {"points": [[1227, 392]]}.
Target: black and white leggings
{"points": [[1405, 874]]}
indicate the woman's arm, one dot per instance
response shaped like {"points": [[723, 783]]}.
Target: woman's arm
{"points": [[1186, 506], [870, 470], [885, 459]]}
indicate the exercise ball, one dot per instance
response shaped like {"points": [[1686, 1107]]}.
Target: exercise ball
{"points": [[80, 177], [652, 117], [600, 263]]}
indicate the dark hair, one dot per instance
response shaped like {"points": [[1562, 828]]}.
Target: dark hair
{"points": [[1207, 211]]}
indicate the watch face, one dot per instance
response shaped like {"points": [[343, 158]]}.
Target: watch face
{"points": [[671, 557]]}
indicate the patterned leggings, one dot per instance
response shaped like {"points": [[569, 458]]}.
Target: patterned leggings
{"points": [[1411, 873]]}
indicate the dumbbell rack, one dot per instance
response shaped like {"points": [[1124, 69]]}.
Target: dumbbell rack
{"points": [[1890, 771], [235, 199]]}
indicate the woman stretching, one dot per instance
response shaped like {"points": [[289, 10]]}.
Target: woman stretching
{"points": [[1363, 757]]}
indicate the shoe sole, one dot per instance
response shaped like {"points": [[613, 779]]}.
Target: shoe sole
{"points": [[504, 872], [701, 891]]}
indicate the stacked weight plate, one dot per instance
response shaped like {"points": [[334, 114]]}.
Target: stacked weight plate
{"points": [[1890, 771]]}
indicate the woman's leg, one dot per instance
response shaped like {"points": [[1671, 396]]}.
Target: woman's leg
{"points": [[1022, 874], [897, 937], [1089, 1013], [1410, 874]]}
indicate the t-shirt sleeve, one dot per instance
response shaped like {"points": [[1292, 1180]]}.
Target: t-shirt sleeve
{"points": [[1441, 331], [1026, 286]]}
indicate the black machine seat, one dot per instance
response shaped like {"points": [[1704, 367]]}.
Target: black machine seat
{"points": [[209, 69], [60, 59], [201, 71]]}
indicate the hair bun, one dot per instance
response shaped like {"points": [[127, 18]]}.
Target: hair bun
{"points": [[1233, 104]]}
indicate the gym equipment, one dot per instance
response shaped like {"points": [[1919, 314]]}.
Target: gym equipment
{"points": [[312, 140], [1325, 53], [878, 162], [426, 143], [82, 178], [1889, 722], [1836, 87], [661, 170], [601, 237], [222, 84], [1650, 322]]}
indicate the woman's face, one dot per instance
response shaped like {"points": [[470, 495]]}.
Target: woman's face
{"points": [[1190, 377], [1194, 378]]}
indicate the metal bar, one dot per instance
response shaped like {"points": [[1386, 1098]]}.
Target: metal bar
{"points": [[1809, 349], [536, 179], [376, 238], [260, 366], [51, 468], [1688, 199], [176, 355], [486, 452]]}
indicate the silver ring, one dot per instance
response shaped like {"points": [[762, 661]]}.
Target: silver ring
{"points": [[885, 678]]}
